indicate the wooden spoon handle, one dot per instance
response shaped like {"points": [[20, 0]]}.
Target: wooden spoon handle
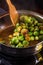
{"points": [[13, 12]]}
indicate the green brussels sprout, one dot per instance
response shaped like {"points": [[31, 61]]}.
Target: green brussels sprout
{"points": [[36, 22], [30, 20], [40, 24], [26, 19], [36, 33], [17, 24], [19, 45], [22, 18], [32, 38], [25, 43], [36, 38], [36, 28], [33, 19], [21, 37], [15, 30], [24, 26], [14, 40], [13, 46], [27, 25], [41, 32], [30, 33], [41, 37], [31, 28], [22, 23], [32, 25]]}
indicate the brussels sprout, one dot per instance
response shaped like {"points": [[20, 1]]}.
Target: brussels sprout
{"points": [[25, 43], [19, 45], [41, 37], [21, 38], [24, 26], [30, 20], [31, 28], [40, 24], [17, 24], [15, 30], [15, 34], [36, 38], [24, 31], [13, 46], [26, 19], [30, 33], [33, 19], [27, 37], [14, 40], [41, 32], [36, 28], [10, 36], [22, 18], [19, 28], [32, 38], [32, 25], [36, 22], [36, 33]]}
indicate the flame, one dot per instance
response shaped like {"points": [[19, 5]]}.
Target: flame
{"points": [[13, 12]]}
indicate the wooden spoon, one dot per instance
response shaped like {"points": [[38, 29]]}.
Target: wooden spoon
{"points": [[13, 12]]}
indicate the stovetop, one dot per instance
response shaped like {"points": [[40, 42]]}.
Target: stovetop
{"points": [[31, 60]]}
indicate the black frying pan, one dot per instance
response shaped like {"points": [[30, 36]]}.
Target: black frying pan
{"points": [[20, 52]]}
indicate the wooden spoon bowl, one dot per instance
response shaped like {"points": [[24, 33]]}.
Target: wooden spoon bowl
{"points": [[12, 12]]}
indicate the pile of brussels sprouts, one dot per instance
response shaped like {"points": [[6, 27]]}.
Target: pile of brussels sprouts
{"points": [[26, 30]]}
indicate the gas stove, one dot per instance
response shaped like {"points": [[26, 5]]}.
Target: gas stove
{"points": [[31, 60]]}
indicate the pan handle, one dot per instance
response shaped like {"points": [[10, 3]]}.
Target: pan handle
{"points": [[39, 46]]}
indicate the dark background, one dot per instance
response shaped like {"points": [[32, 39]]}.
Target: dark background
{"points": [[34, 5]]}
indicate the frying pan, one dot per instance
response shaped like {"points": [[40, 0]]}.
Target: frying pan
{"points": [[20, 52]]}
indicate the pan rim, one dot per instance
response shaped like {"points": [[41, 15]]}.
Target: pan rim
{"points": [[35, 14]]}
